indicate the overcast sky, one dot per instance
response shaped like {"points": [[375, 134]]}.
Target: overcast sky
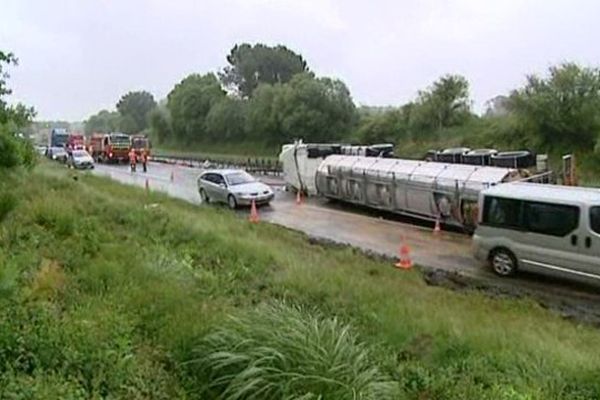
{"points": [[79, 56]]}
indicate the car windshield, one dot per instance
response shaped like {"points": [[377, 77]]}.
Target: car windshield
{"points": [[239, 178], [80, 153]]}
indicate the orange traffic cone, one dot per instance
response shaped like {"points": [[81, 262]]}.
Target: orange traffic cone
{"points": [[253, 213], [437, 229], [299, 197], [404, 262], [172, 176]]}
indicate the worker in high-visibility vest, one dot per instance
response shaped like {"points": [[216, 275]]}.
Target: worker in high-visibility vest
{"points": [[132, 159], [145, 160]]}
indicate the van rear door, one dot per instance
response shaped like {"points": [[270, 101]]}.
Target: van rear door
{"points": [[589, 262]]}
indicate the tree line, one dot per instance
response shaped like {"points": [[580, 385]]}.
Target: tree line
{"points": [[269, 95], [14, 150]]}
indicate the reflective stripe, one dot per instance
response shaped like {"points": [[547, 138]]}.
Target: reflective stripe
{"points": [[554, 267]]}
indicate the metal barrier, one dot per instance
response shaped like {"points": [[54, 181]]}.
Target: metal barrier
{"points": [[257, 166]]}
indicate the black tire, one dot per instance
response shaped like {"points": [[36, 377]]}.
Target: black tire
{"points": [[204, 197], [503, 262], [231, 202]]}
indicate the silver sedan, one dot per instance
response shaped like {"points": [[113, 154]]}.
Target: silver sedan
{"points": [[234, 187]]}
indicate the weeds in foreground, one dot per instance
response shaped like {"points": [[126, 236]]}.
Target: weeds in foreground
{"points": [[281, 351]]}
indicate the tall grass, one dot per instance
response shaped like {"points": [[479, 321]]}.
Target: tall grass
{"points": [[286, 352], [101, 297]]}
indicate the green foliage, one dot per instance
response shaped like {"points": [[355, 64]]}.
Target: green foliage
{"points": [[561, 111], [387, 127], [446, 103], [14, 151], [286, 352], [6, 58], [103, 122], [7, 203], [226, 120], [189, 103], [134, 108], [103, 297], [251, 66], [315, 109], [160, 124]]}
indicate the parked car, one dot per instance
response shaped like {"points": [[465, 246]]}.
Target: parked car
{"points": [[57, 154], [550, 229], [234, 187], [80, 159]]}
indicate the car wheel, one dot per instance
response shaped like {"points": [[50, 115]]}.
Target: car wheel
{"points": [[204, 196], [503, 262], [231, 202]]}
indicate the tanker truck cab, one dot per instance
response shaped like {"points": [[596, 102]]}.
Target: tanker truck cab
{"points": [[547, 229]]}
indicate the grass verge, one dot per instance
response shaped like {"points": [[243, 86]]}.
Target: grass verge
{"points": [[107, 291]]}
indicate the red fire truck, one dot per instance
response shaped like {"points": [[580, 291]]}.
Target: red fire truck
{"points": [[139, 143], [109, 147], [75, 141]]}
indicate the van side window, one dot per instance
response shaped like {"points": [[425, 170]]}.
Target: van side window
{"points": [[504, 213], [551, 219], [595, 219]]}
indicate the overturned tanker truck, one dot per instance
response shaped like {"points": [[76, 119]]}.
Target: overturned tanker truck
{"points": [[423, 189]]}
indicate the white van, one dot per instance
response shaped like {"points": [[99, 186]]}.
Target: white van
{"points": [[541, 228]]}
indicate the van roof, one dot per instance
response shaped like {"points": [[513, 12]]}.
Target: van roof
{"points": [[545, 192]]}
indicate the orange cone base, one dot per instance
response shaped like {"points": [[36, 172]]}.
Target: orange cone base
{"points": [[253, 213], [404, 265]]}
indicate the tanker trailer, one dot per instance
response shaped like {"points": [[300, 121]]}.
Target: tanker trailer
{"points": [[301, 160], [422, 189]]}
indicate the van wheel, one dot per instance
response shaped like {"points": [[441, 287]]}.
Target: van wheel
{"points": [[503, 262]]}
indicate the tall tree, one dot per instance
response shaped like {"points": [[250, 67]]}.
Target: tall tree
{"points": [[160, 123], [226, 120], [446, 103], [134, 107], [249, 66], [190, 102], [103, 122], [315, 109], [13, 151], [561, 110]]}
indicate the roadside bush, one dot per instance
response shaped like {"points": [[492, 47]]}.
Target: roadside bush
{"points": [[8, 202], [283, 352]]}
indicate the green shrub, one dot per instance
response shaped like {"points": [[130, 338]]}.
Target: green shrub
{"points": [[283, 352], [8, 202]]}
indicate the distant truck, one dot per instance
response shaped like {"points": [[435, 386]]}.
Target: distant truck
{"points": [[75, 141], [58, 137], [109, 147], [140, 143]]}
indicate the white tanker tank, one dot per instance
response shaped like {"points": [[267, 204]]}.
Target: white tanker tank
{"points": [[423, 189], [301, 160]]}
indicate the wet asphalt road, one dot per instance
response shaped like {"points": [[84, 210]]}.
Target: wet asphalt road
{"points": [[382, 234]]}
